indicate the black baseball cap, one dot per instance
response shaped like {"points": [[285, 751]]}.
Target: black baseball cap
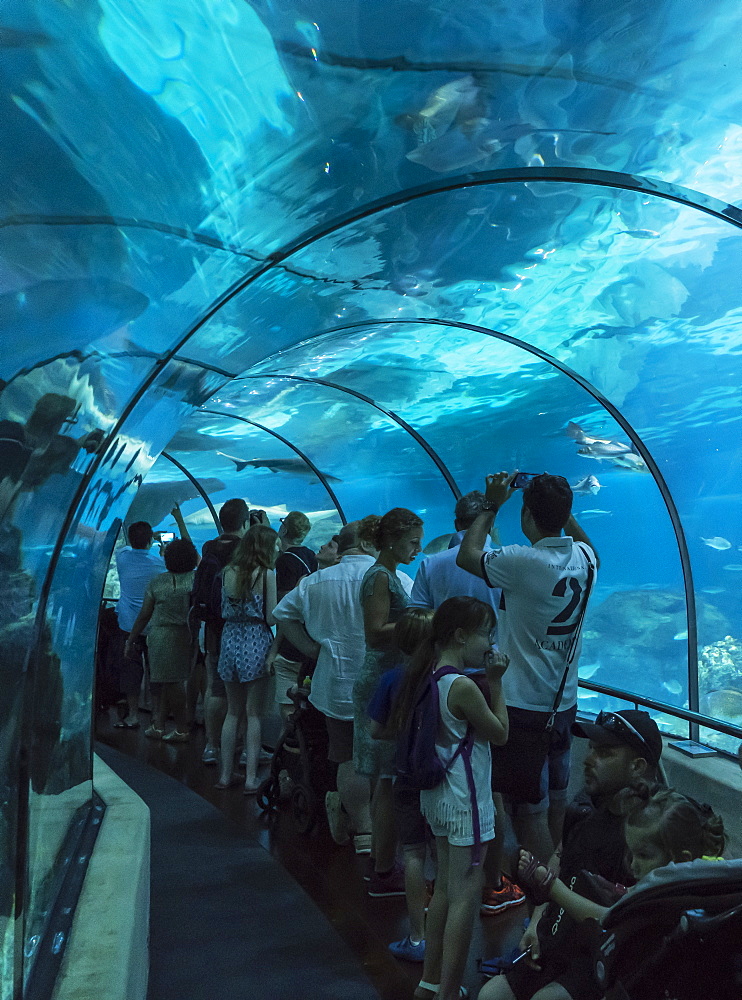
{"points": [[627, 728]]}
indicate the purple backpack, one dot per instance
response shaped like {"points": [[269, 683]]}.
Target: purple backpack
{"points": [[417, 761]]}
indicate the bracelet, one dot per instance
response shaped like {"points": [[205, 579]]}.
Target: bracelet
{"points": [[488, 507]]}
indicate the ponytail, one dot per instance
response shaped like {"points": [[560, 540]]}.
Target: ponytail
{"points": [[466, 613], [676, 822]]}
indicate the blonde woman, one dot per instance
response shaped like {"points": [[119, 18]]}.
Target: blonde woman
{"points": [[248, 600]]}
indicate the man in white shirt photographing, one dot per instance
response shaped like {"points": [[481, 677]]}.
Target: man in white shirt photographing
{"points": [[545, 587]]}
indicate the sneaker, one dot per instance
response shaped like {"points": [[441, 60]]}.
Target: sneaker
{"points": [[153, 733], [243, 759], [210, 755], [337, 819], [175, 737], [362, 843], [497, 900], [265, 756], [391, 883], [408, 950]]}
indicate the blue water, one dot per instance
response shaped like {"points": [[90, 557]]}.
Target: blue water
{"points": [[199, 197]]}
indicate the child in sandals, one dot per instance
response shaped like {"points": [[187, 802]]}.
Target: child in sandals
{"points": [[461, 637], [662, 826]]}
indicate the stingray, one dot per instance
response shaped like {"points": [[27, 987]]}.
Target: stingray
{"points": [[475, 140], [154, 501], [52, 318], [291, 466]]}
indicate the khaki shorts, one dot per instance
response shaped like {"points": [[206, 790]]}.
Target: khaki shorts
{"points": [[287, 675]]}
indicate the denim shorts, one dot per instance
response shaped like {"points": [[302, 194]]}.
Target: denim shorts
{"points": [[555, 771]]}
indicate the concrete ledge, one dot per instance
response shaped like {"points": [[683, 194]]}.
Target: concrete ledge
{"points": [[108, 951]]}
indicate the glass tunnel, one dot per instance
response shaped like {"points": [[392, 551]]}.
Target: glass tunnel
{"points": [[340, 257]]}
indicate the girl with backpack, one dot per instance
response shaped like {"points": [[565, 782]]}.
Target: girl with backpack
{"points": [[461, 638]]}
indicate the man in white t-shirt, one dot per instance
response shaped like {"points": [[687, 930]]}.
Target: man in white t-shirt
{"points": [[544, 592], [136, 566], [323, 618]]}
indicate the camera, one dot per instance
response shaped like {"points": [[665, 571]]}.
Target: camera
{"points": [[163, 537], [522, 479]]}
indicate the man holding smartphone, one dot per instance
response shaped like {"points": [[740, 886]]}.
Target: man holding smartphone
{"points": [[545, 586]]}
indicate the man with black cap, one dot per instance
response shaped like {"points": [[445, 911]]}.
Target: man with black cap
{"points": [[625, 747]]}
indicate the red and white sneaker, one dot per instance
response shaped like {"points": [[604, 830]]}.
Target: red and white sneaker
{"points": [[498, 900]]}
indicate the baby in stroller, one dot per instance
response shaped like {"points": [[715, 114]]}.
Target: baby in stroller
{"points": [[662, 828]]}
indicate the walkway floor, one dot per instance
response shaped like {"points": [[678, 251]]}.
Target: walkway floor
{"points": [[228, 922]]}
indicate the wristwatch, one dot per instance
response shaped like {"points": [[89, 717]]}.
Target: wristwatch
{"points": [[489, 507]]}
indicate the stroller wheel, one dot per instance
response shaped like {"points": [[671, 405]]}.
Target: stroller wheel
{"points": [[266, 796], [304, 808]]}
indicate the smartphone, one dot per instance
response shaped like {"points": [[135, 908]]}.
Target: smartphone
{"points": [[165, 537], [523, 479]]}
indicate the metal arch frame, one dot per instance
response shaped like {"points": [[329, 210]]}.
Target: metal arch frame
{"points": [[320, 475], [201, 490], [400, 421], [640, 448], [575, 175]]}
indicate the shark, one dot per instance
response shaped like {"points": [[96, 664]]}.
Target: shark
{"points": [[290, 466], [588, 485]]}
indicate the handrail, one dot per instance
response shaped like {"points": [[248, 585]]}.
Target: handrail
{"points": [[680, 713]]}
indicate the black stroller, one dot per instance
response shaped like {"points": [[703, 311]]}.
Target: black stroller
{"points": [[300, 771], [679, 937]]}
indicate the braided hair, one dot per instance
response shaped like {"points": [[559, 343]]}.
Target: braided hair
{"points": [[677, 823]]}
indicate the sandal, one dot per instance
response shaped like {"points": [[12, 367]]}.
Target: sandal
{"points": [[535, 876], [233, 782]]}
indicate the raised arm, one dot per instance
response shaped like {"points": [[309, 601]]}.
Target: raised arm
{"points": [[497, 492], [182, 527], [572, 528], [466, 701]]}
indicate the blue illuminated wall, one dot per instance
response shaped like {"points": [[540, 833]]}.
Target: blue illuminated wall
{"points": [[487, 219]]}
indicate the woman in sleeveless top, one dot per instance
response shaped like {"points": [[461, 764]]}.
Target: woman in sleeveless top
{"points": [[397, 538], [462, 634], [248, 600], [167, 602]]}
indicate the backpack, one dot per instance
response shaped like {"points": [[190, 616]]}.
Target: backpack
{"points": [[417, 761], [204, 608]]}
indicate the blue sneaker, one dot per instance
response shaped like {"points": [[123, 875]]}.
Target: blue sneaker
{"points": [[407, 950]]}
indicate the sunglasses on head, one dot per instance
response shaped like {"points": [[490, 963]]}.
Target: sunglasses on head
{"points": [[616, 723]]}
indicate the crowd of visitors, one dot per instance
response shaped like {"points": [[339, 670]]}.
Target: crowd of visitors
{"points": [[450, 709]]}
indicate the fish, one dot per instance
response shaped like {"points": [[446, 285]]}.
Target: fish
{"points": [[589, 670], [587, 486], [588, 694], [674, 687], [733, 567], [291, 466], [202, 518], [640, 234], [439, 544], [604, 449], [680, 636], [593, 512], [576, 432], [630, 460], [154, 501], [717, 542], [725, 703], [442, 107], [713, 590]]}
